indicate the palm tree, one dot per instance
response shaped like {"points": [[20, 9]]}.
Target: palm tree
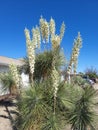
{"points": [[8, 84]]}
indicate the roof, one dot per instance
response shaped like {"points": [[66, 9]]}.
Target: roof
{"points": [[7, 61]]}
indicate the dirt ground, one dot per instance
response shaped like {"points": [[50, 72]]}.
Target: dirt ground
{"points": [[96, 86], [5, 120]]}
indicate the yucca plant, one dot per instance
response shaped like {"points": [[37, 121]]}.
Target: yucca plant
{"points": [[78, 80], [50, 104], [43, 64], [8, 83], [81, 115], [33, 108]]}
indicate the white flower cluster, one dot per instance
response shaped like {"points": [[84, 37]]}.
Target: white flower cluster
{"points": [[75, 54], [30, 50], [44, 28], [52, 27], [62, 30], [14, 73], [48, 30], [36, 39], [55, 79], [55, 40]]}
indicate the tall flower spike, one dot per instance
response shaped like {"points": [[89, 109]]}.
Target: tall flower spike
{"points": [[34, 38], [38, 37], [42, 29], [27, 34], [75, 67], [55, 40], [75, 54], [30, 51], [46, 26], [52, 27], [55, 80], [14, 73], [62, 30]]}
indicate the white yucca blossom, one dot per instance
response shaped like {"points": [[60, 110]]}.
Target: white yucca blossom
{"points": [[15, 75], [75, 67], [38, 37], [52, 27], [75, 54], [55, 40], [69, 67], [30, 51], [31, 56], [28, 40], [55, 80], [44, 28], [62, 30], [34, 38]]}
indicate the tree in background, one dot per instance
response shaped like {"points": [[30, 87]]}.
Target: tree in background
{"points": [[91, 73]]}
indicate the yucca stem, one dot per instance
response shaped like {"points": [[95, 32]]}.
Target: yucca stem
{"points": [[54, 105]]}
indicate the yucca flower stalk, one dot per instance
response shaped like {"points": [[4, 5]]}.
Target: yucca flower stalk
{"points": [[38, 37], [30, 50], [15, 75], [75, 54], [34, 38], [55, 40], [62, 31], [76, 51], [55, 82], [52, 27], [44, 28], [41, 22], [46, 25]]}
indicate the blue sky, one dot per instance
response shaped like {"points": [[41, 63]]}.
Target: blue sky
{"points": [[78, 15]]}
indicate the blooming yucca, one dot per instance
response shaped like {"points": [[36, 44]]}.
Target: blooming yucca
{"points": [[52, 27], [38, 37], [30, 50], [55, 40], [75, 54], [44, 28], [34, 38], [15, 75], [62, 30], [55, 80]]}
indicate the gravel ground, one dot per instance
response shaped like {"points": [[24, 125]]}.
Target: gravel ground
{"points": [[5, 122]]}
